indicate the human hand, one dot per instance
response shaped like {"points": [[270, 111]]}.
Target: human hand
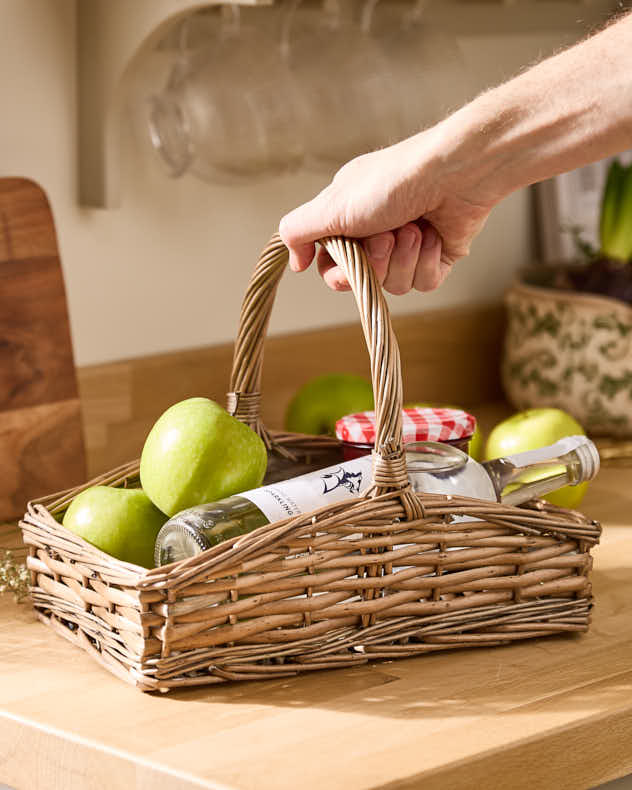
{"points": [[415, 209], [417, 206]]}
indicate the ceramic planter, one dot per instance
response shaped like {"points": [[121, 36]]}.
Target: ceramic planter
{"points": [[570, 350]]}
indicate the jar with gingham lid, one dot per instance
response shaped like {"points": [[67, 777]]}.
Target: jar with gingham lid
{"points": [[419, 424]]}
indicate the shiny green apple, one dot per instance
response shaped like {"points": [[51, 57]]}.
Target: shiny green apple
{"points": [[475, 448], [196, 453], [533, 428], [122, 522], [325, 399]]}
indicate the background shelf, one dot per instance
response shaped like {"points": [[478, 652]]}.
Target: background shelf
{"points": [[112, 33]]}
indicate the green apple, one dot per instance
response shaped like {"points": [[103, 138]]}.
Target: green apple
{"points": [[475, 448], [325, 399], [197, 453], [476, 444], [122, 522], [533, 428]]}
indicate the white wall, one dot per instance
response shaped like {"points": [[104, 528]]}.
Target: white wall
{"points": [[168, 269]]}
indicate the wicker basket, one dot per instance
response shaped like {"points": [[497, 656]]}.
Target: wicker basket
{"points": [[388, 575]]}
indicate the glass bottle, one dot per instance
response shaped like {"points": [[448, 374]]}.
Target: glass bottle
{"points": [[435, 467], [198, 528]]}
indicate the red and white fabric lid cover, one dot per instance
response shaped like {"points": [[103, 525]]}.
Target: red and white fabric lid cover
{"points": [[418, 425]]}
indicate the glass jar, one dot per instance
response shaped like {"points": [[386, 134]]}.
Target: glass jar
{"points": [[228, 110], [346, 102]]}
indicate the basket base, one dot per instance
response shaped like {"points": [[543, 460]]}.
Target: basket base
{"points": [[406, 637]]}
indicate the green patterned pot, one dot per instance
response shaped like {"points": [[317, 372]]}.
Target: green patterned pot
{"points": [[570, 350]]}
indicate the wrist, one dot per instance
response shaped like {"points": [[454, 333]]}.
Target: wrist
{"points": [[451, 158], [484, 149]]}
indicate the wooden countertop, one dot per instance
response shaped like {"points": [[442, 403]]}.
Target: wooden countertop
{"points": [[554, 713]]}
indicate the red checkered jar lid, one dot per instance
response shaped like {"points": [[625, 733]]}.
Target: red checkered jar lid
{"points": [[418, 425]]}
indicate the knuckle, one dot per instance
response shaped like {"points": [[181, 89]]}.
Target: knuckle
{"points": [[397, 289], [285, 228], [411, 228]]}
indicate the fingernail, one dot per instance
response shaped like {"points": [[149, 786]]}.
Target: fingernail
{"points": [[379, 247], [429, 238], [406, 239]]}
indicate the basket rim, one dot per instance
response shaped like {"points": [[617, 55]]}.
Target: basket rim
{"points": [[166, 576], [36, 510]]}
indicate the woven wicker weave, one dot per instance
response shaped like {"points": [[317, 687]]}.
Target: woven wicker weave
{"points": [[388, 575]]}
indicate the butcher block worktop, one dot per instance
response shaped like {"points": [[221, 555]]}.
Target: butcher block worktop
{"points": [[551, 713]]}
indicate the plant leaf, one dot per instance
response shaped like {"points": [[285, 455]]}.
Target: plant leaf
{"points": [[610, 205], [620, 242]]}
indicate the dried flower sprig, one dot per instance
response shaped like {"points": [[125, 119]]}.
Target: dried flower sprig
{"points": [[14, 576]]}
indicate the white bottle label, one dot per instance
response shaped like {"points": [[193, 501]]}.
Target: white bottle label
{"points": [[314, 490]]}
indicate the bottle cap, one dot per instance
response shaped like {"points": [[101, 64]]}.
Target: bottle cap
{"points": [[419, 424], [589, 457]]}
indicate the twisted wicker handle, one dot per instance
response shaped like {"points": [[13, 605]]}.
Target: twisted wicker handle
{"points": [[389, 467]]}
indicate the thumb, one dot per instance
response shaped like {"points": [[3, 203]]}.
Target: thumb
{"points": [[303, 226]]}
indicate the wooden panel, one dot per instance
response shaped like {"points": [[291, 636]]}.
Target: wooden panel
{"points": [[41, 451], [36, 362], [41, 442], [548, 714], [27, 224], [447, 355]]}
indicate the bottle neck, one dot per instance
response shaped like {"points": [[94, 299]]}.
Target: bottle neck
{"points": [[518, 478]]}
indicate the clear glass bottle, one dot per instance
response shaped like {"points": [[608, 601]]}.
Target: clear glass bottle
{"points": [[435, 467], [198, 528]]}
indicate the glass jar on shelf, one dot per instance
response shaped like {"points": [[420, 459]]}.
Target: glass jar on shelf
{"points": [[427, 67], [228, 110], [346, 102]]}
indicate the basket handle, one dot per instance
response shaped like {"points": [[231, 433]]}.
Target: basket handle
{"points": [[389, 466]]}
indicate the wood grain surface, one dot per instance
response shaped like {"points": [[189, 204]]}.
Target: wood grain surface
{"points": [[41, 442], [552, 714]]}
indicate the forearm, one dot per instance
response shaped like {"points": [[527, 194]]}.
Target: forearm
{"points": [[569, 110], [419, 204]]}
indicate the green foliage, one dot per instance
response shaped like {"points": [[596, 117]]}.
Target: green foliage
{"points": [[615, 223]]}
